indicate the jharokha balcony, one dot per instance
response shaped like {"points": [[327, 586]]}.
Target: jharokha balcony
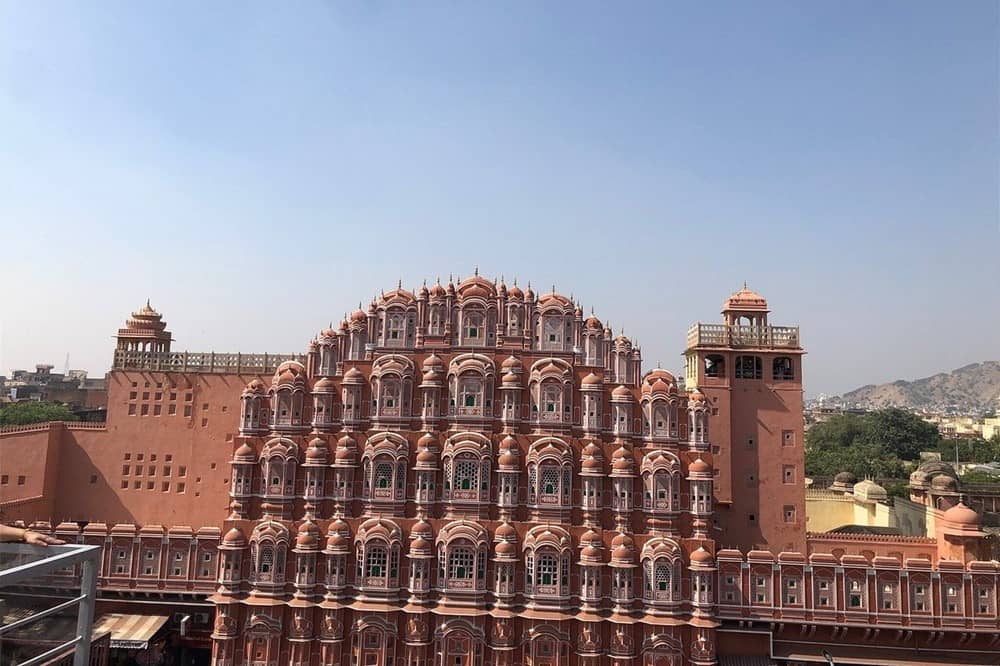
{"points": [[724, 335]]}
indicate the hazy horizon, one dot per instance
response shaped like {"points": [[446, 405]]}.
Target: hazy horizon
{"points": [[256, 172]]}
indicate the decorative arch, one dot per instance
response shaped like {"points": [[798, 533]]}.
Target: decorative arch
{"points": [[661, 483], [377, 549], [392, 386], [547, 552], [662, 560], [550, 386], [463, 552], [384, 464], [470, 385], [279, 461], [268, 546], [550, 473], [466, 459]]}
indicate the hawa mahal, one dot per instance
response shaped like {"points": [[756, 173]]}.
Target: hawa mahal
{"points": [[476, 475]]}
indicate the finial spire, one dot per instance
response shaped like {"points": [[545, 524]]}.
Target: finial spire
{"points": [[147, 303], [744, 284], [477, 270], [399, 285]]}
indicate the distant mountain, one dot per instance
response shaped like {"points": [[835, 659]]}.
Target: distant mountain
{"points": [[972, 388]]}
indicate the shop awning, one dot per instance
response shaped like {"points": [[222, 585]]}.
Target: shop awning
{"points": [[130, 631]]}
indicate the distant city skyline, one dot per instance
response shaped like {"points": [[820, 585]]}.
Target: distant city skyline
{"points": [[255, 172]]}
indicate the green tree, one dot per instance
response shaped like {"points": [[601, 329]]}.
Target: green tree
{"points": [[21, 413], [900, 432], [872, 444]]}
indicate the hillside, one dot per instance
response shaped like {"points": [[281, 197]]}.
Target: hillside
{"points": [[974, 387]]}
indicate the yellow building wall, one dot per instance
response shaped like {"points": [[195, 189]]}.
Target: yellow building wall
{"points": [[828, 510]]}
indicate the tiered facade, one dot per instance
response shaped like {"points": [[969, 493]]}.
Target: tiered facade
{"points": [[469, 475]]}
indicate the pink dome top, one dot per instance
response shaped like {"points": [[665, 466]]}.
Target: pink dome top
{"points": [[960, 514]]}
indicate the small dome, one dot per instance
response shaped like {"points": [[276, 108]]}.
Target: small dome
{"points": [[354, 376], [593, 379], [696, 396], [960, 514], [699, 466], [515, 292], [621, 459], [324, 385], [359, 316], [593, 323], [437, 291], [336, 541], [590, 553], [870, 491], [505, 531], [431, 376], [622, 540], [702, 556], [422, 530], [317, 451], [553, 298], [622, 554], [420, 545], [944, 483], [745, 299], [308, 535], [845, 477], [510, 379], [512, 363], [506, 548], [427, 440], [427, 456], [621, 392], [660, 386], [234, 538], [245, 451], [432, 362]]}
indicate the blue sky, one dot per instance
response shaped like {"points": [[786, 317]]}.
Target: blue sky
{"points": [[257, 168]]}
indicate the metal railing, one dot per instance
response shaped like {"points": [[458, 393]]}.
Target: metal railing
{"points": [[29, 567]]}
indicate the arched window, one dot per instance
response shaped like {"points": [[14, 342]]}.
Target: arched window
{"points": [[748, 367], [659, 580], [435, 320], [462, 557], [547, 562], [396, 330], [474, 327], [660, 491], [390, 399], [515, 320], [328, 359], [783, 369]]}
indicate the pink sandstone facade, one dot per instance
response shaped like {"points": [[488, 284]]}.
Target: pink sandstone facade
{"points": [[473, 474]]}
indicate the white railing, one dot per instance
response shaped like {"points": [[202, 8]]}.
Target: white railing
{"points": [[780, 337], [208, 362]]}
